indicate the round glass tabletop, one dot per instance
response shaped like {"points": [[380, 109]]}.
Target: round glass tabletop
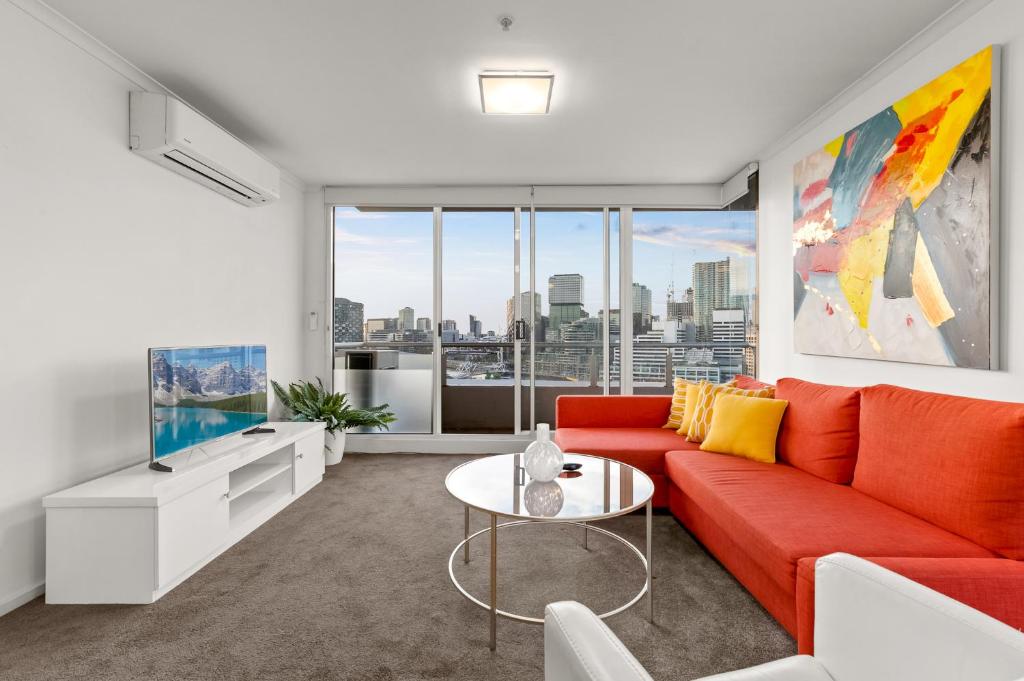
{"points": [[601, 488]]}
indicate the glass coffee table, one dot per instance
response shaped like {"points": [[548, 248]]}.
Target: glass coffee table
{"points": [[499, 486]]}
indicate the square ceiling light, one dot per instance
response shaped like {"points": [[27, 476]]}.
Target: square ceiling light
{"points": [[516, 92]]}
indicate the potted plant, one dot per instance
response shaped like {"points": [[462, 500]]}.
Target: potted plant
{"points": [[307, 401]]}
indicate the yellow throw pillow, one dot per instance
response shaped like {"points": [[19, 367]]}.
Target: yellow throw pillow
{"points": [[690, 401], [675, 414], [692, 391], [745, 426], [703, 407]]}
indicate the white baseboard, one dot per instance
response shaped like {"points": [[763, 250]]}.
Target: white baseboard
{"points": [[9, 603], [437, 444]]}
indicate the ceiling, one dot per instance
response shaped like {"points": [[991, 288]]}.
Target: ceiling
{"points": [[384, 92]]}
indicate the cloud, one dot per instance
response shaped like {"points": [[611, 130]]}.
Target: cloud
{"points": [[344, 236], [726, 239], [359, 215]]}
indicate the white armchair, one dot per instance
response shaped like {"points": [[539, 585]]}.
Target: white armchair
{"points": [[870, 625]]}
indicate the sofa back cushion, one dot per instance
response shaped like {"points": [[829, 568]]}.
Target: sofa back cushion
{"points": [[749, 382], [820, 429], [953, 461]]}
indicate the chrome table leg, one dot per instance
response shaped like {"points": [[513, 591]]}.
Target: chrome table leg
{"points": [[465, 549], [494, 581]]}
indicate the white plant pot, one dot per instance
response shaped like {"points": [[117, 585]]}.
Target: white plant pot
{"points": [[334, 448]]}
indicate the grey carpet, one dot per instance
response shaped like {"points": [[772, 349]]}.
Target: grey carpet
{"points": [[350, 582]]}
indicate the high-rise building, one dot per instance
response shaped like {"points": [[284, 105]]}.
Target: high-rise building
{"points": [[678, 310], [565, 301], [348, 321], [584, 330], [449, 325], [642, 317], [406, 319], [614, 321], [565, 289], [380, 328], [711, 292], [750, 353], [423, 323], [380, 324], [562, 314], [729, 334], [524, 303], [476, 327]]}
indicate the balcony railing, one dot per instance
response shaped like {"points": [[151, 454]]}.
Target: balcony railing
{"points": [[478, 377]]}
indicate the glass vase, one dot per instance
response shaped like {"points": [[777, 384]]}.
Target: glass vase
{"points": [[543, 457]]}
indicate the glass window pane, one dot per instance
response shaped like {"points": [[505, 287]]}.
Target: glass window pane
{"points": [[477, 395], [694, 296], [570, 283], [383, 296]]}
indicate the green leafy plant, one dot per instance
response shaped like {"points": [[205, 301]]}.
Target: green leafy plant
{"points": [[307, 401]]}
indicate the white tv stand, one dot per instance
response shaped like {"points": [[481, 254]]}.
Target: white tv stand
{"points": [[133, 535]]}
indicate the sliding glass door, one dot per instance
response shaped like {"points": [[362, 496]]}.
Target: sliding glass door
{"points": [[383, 342], [575, 312], [475, 320], [478, 255]]}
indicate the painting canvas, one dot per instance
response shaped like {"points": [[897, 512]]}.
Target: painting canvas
{"points": [[894, 231]]}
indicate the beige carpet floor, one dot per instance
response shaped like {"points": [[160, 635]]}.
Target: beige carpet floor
{"points": [[350, 582]]}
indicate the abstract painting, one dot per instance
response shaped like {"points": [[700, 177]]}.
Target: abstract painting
{"points": [[894, 230]]}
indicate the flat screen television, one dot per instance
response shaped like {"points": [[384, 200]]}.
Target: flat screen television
{"points": [[204, 393]]}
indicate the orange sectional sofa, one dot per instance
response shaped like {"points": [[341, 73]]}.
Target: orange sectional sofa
{"points": [[930, 486]]}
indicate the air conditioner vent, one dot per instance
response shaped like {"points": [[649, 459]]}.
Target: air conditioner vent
{"points": [[181, 139]]}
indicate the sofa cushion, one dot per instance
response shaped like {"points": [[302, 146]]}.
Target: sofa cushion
{"points": [[643, 448], [954, 461], [780, 514], [820, 428], [612, 411], [749, 382]]}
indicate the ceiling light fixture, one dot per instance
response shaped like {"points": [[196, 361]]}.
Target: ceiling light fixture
{"points": [[516, 92]]}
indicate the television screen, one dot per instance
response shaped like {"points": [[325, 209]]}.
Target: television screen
{"points": [[199, 394]]}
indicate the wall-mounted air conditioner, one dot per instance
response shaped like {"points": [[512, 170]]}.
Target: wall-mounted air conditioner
{"points": [[177, 137]]}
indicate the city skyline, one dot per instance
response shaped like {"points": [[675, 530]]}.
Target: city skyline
{"points": [[478, 253]]}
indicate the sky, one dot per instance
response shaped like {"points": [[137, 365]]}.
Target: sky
{"points": [[238, 355], [384, 259]]}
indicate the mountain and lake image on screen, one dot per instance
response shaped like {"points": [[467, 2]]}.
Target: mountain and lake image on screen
{"points": [[204, 393]]}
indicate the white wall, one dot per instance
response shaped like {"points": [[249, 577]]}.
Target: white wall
{"points": [[104, 254], [318, 286], [1001, 22]]}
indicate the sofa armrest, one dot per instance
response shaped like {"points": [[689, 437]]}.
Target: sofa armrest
{"points": [[995, 586], [871, 623], [612, 411], [578, 646]]}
